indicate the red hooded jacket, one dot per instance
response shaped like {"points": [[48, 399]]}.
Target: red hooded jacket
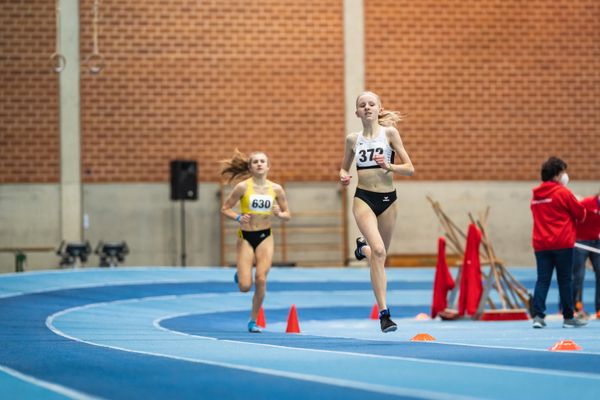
{"points": [[589, 229], [555, 211]]}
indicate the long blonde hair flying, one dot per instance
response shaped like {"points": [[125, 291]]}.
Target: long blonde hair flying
{"points": [[238, 166]]}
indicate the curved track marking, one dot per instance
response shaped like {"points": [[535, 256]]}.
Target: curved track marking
{"points": [[37, 387], [100, 324]]}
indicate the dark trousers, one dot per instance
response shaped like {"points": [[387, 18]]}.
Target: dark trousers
{"points": [[579, 258], [547, 260]]}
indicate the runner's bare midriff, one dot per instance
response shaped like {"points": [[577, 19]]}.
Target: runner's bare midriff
{"points": [[257, 222], [375, 180]]}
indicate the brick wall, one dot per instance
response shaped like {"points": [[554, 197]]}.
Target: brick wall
{"points": [[196, 79], [29, 136], [489, 88]]}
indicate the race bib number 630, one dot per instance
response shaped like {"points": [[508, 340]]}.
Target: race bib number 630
{"points": [[261, 202]]}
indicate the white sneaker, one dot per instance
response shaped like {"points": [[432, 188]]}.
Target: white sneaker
{"points": [[538, 322], [574, 323], [253, 328]]}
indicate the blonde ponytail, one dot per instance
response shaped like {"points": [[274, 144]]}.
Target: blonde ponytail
{"points": [[389, 118], [237, 167]]}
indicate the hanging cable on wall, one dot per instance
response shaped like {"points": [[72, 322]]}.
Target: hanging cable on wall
{"points": [[95, 61], [57, 60]]}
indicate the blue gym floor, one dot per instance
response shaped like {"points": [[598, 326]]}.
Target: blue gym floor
{"points": [[180, 333]]}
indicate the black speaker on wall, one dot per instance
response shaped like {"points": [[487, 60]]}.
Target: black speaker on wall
{"points": [[184, 180]]}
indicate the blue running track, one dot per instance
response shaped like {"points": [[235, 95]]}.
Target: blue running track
{"points": [[180, 333]]}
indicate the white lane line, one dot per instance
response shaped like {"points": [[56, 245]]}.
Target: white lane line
{"points": [[156, 324], [423, 394], [330, 301], [32, 282], [512, 348], [111, 283], [53, 387], [311, 332]]}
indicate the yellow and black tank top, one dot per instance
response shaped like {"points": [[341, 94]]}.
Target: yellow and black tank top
{"points": [[254, 203]]}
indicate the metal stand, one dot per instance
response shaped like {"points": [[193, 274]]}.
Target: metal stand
{"points": [[183, 254], [20, 259], [184, 186]]}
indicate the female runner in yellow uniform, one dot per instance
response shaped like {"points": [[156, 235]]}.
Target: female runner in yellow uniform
{"points": [[259, 198]]}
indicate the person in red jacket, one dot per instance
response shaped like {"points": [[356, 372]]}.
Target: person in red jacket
{"points": [[588, 234], [555, 211]]}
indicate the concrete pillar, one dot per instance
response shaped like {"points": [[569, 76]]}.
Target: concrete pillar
{"points": [[354, 84], [69, 122], [354, 60]]}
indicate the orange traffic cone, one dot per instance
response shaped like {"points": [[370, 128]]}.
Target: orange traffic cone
{"points": [[375, 312], [260, 320], [422, 337], [565, 345], [292, 323]]}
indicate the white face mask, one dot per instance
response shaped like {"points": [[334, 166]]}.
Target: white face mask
{"points": [[564, 179]]}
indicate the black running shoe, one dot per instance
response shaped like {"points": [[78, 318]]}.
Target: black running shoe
{"points": [[387, 325], [360, 243]]}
